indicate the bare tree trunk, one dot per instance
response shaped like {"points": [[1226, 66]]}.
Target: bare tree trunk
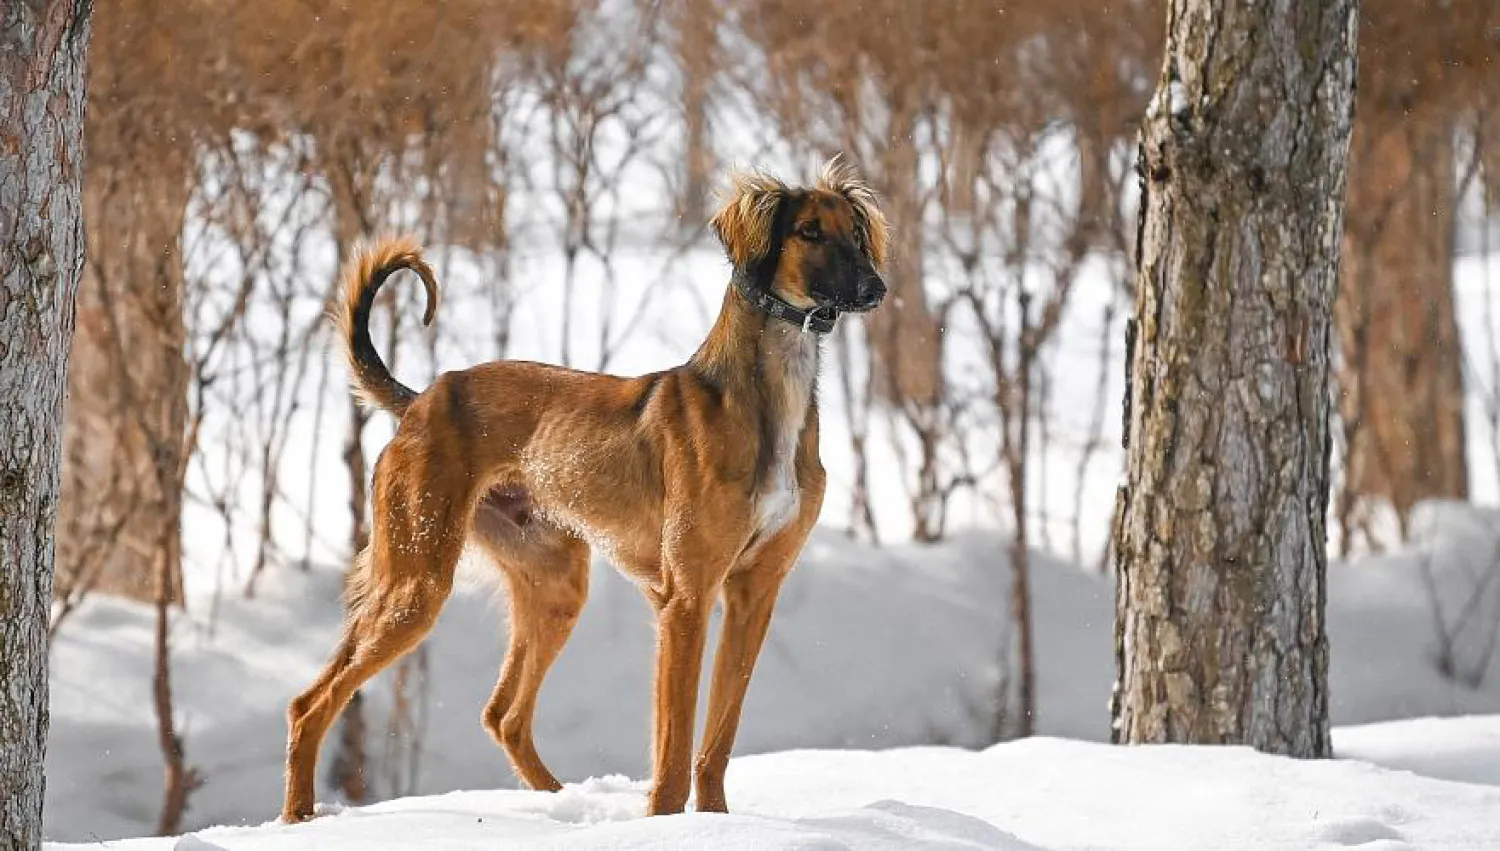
{"points": [[1221, 537], [43, 57], [857, 416], [130, 417], [697, 48], [161, 422], [905, 340], [1016, 447], [128, 379], [358, 469], [1402, 365], [178, 779]]}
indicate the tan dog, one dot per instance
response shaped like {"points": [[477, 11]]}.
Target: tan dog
{"points": [[697, 482]]}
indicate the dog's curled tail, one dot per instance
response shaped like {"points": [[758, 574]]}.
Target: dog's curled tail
{"points": [[362, 276]]}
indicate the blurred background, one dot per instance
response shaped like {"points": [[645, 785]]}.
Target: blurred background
{"points": [[559, 159]]}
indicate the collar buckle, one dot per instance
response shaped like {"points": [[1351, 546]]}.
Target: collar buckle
{"points": [[814, 321]]}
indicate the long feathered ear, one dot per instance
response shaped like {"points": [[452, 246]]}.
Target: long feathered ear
{"points": [[745, 223], [841, 177]]}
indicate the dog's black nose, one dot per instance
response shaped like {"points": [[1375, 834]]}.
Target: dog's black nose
{"points": [[871, 292]]}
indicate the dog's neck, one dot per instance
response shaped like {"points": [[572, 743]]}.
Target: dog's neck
{"points": [[765, 366]]}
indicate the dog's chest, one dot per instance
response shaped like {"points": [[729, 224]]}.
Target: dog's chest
{"points": [[777, 503], [778, 498]]}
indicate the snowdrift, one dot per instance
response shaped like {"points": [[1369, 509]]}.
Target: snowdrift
{"points": [[1039, 793]]}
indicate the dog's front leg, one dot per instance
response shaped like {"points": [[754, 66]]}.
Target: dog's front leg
{"points": [[681, 629], [749, 598]]}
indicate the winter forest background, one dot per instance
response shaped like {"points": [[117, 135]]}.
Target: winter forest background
{"points": [[559, 159]]}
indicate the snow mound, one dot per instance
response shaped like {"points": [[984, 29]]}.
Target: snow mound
{"points": [[1465, 749], [1040, 793]]}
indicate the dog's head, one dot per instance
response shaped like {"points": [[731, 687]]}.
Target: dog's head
{"points": [[812, 247]]}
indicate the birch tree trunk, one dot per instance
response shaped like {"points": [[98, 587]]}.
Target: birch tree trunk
{"points": [[1220, 542], [43, 53]]}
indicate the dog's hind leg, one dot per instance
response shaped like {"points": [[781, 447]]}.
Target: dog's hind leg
{"points": [[547, 575], [390, 623], [398, 590]]}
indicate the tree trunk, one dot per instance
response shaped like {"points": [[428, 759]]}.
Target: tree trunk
{"points": [[697, 48], [857, 407], [1221, 536], [43, 54], [1015, 447], [128, 384], [179, 779], [906, 338], [1401, 374]]}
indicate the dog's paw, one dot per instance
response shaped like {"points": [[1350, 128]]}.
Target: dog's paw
{"points": [[298, 816]]}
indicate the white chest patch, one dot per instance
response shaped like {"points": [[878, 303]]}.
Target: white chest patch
{"points": [[779, 497], [777, 504]]}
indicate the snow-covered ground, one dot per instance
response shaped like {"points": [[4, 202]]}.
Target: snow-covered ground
{"points": [[870, 649], [1041, 793]]}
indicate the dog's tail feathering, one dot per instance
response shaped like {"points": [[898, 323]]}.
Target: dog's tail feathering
{"points": [[362, 276]]}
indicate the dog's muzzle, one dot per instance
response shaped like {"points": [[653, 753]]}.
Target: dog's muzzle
{"points": [[868, 296]]}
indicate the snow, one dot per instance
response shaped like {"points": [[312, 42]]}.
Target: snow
{"points": [[1176, 97], [870, 649], [1464, 749], [1179, 99], [1041, 793]]}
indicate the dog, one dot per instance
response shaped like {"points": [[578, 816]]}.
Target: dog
{"points": [[701, 482]]}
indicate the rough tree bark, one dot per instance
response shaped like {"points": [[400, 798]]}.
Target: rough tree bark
{"points": [[1220, 543], [43, 54]]}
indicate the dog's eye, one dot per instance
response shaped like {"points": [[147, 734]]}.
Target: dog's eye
{"points": [[810, 230]]}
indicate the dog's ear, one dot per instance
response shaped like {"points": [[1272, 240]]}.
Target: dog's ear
{"points": [[747, 221], [869, 222]]}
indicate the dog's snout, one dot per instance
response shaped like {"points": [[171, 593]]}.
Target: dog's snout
{"points": [[871, 291]]}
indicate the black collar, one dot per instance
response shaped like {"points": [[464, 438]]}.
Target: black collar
{"points": [[819, 320]]}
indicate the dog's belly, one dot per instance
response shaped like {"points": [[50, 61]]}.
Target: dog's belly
{"points": [[625, 532], [598, 482]]}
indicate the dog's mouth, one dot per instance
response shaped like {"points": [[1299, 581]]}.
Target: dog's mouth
{"points": [[863, 306]]}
